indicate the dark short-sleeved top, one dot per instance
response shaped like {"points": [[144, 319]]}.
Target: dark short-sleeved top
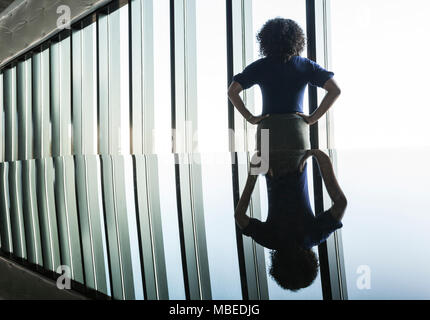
{"points": [[283, 84], [289, 208]]}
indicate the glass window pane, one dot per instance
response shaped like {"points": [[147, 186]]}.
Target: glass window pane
{"points": [[212, 76], [88, 101], [162, 78], [379, 80], [388, 262], [124, 81]]}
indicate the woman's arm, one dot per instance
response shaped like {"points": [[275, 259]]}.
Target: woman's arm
{"points": [[233, 94], [333, 92], [240, 213], [335, 192]]}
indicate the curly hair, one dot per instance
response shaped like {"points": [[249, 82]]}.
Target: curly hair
{"points": [[281, 38], [294, 268]]}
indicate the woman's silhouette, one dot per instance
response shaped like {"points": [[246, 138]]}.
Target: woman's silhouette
{"points": [[283, 75], [291, 228]]}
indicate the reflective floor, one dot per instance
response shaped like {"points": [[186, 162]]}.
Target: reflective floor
{"points": [[163, 226], [386, 226]]}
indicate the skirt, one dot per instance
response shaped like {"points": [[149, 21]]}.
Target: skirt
{"points": [[283, 143]]}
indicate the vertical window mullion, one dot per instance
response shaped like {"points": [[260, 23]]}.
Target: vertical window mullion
{"points": [[251, 255], [44, 162], [29, 204], [6, 232], [328, 251], [14, 179], [29, 171], [2, 222], [2, 123], [64, 185], [91, 216], [116, 162], [325, 138], [254, 253]]}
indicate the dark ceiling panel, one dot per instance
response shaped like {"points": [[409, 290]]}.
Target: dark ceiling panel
{"points": [[34, 21], [4, 4]]}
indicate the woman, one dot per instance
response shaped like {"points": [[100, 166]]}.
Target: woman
{"points": [[291, 228], [283, 75]]}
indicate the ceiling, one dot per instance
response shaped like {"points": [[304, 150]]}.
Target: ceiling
{"points": [[4, 4]]}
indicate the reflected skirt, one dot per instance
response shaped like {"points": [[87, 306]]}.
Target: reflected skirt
{"points": [[284, 138]]}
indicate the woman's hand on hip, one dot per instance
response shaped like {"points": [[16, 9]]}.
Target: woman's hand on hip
{"points": [[257, 119], [309, 119]]}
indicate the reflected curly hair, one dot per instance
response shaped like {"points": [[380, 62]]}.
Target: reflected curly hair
{"points": [[294, 268], [281, 38]]}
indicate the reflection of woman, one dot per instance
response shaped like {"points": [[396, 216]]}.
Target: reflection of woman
{"points": [[291, 228]]}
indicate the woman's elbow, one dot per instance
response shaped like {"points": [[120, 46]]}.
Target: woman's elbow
{"points": [[335, 91], [343, 203], [332, 87], [230, 93], [234, 89]]}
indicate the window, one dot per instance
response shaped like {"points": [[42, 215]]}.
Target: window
{"points": [[211, 48], [162, 78], [381, 81]]}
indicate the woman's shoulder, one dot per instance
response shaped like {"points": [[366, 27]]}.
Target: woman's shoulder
{"points": [[259, 62], [300, 61], [305, 63], [256, 66], [268, 65], [274, 60], [302, 64]]}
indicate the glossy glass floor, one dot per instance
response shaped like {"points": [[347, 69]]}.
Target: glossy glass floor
{"points": [[162, 226]]}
